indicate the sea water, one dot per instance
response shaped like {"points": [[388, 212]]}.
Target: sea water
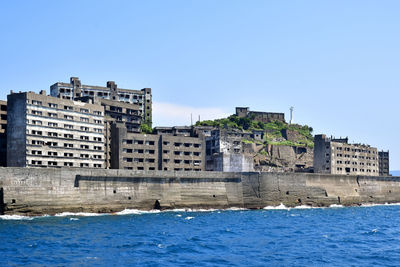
{"points": [[274, 236]]}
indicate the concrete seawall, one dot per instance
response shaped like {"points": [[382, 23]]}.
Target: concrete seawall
{"points": [[49, 191]]}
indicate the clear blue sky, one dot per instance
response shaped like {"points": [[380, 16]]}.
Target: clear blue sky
{"points": [[336, 62]]}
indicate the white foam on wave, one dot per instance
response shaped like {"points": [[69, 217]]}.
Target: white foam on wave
{"points": [[279, 207], [301, 207], [305, 207], [135, 211], [81, 214], [336, 206], [15, 217], [21, 217], [199, 210], [374, 205], [236, 209], [189, 218], [138, 212]]}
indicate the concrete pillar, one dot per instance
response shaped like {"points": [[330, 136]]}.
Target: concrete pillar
{"points": [[2, 206]]}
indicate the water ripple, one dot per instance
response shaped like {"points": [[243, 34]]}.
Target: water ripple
{"points": [[338, 236]]}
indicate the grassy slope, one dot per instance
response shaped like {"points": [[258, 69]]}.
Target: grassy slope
{"points": [[273, 130]]}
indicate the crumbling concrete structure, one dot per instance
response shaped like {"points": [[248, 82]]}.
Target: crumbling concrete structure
{"points": [[244, 112], [151, 152], [224, 152], [383, 163], [3, 134], [337, 156], [75, 90]]}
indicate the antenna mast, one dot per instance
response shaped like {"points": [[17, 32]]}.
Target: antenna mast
{"points": [[291, 115]]}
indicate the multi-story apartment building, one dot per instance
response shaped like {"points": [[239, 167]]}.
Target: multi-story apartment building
{"points": [[182, 153], [116, 112], [3, 135], [136, 151], [383, 163], [337, 156], [45, 131], [75, 90]]}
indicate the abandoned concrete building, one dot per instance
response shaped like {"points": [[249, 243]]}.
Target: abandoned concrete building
{"points": [[100, 127], [74, 90], [175, 130], [116, 112], [337, 156], [383, 163], [244, 112], [235, 150], [192, 131], [45, 131], [166, 152], [225, 152], [3, 134]]}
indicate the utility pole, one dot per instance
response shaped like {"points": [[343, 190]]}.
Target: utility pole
{"points": [[291, 115]]}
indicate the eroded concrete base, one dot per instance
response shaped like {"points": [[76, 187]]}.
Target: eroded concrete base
{"points": [[50, 191]]}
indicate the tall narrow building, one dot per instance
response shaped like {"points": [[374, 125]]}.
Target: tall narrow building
{"points": [[3, 135], [383, 163], [45, 131]]}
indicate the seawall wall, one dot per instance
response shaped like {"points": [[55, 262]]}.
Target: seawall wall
{"points": [[48, 191]]}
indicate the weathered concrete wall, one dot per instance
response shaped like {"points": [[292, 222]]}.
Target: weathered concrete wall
{"points": [[29, 190], [41, 191]]}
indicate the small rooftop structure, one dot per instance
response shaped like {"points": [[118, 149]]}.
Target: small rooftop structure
{"points": [[244, 112]]}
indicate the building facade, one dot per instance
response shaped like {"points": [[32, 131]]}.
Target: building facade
{"points": [[337, 156], [3, 133], [383, 163], [45, 131], [74, 90], [225, 152], [136, 151], [244, 112], [116, 112]]}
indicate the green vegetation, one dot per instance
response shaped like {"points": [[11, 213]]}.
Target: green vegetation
{"points": [[245, 141], [273, 130], [263, 152], [146, 128]]}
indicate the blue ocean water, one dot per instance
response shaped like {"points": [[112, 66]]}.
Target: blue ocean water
{"points": [[351, 236]]}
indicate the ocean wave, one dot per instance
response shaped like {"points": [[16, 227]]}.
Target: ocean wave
{"points": [[15, 217], [135, 211], [283, 207], [305, 207], [336, 206], [279, 207], [236, 209], [181, 210], [138, 212], [383, 204], [301, 207], [81, 214], [21, 217]]}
